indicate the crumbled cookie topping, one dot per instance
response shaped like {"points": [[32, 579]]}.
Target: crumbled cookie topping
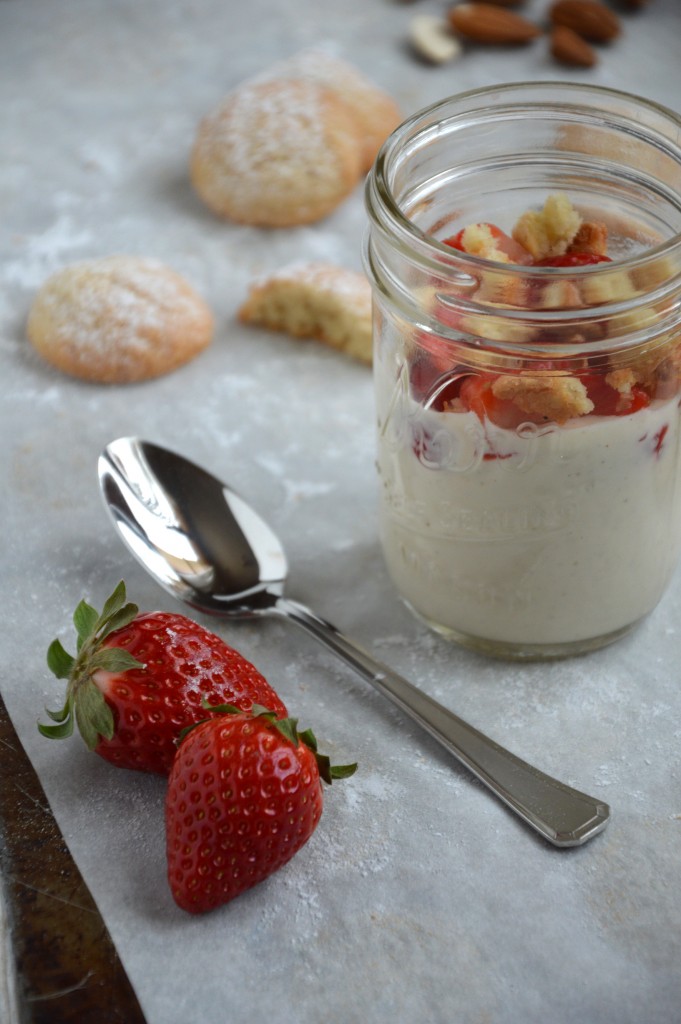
{"points": [[478, 240], [549, 231], [548, 396], [590, 237], [621, 380]]}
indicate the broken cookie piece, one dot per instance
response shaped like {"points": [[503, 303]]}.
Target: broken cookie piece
{"points": [[550, 397], [315, 300], [591, 238], [548, 232]]}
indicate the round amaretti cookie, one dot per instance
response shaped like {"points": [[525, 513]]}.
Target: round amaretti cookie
{"points": [[118, 319], [375, 111], [277, 154]]}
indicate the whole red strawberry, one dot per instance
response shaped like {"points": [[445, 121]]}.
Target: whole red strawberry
{"points": [[138, 680], [244, 795]]}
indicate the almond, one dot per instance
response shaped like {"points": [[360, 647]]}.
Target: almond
{"points": [[569, 48], [590, 19], [431, 37], [487, 23]]}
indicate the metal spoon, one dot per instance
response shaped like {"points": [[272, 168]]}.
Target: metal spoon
{"points": [[208, 548]]}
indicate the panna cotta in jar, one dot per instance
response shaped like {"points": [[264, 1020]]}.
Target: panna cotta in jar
{"points": [[527, 368], [537, 508]]}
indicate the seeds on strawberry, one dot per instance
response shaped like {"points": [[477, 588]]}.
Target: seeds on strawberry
{"points": [[244, 795], [139, 679]]}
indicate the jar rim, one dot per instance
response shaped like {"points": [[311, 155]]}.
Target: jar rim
{"points": [[431, 250]]}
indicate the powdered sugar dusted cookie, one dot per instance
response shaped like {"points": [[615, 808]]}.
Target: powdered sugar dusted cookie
{"points": [[315, 300], [118, 319], [374, 111], [277, 153]]}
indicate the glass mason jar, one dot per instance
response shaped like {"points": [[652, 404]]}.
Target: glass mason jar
{"points": [[529, 443]]}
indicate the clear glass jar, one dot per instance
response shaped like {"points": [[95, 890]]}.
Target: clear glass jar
{"points": [[529, 435]]}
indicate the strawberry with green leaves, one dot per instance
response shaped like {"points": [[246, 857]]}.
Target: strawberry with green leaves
{"points": [[244, 795], [137, 680]]}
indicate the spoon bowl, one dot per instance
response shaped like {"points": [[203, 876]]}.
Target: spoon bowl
{"points": [[208, 548], [195, 535]]}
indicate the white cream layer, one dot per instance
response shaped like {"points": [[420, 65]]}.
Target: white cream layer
{"points": [[572, 534]]}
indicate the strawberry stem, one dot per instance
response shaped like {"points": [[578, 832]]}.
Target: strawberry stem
{"points": [[85, 702], [288, 727]]}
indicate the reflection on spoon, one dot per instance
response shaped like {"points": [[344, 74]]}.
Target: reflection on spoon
{"points": [[208, 548]]}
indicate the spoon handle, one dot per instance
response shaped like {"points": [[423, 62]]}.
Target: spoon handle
{"points": [[561, 814]]}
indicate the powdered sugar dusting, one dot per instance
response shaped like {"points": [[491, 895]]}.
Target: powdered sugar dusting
{"points": [[290, 116], [118, 319], [108, 303], [277, 152], [375, 113], [301, 489], [43, 253], [349, 286]]}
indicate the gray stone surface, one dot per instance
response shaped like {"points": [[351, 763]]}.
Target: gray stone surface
{"points": [[419, 898]]}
